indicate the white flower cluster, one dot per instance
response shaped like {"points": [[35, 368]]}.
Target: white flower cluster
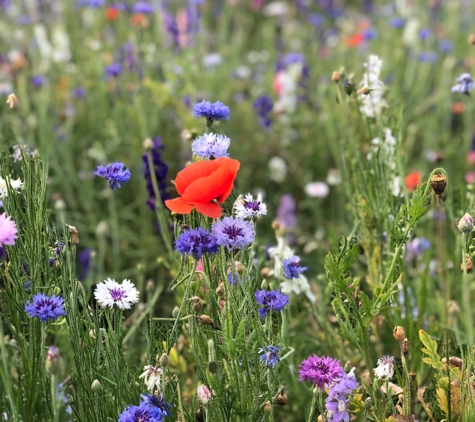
{"points": [[15, 185], [372, 103]]}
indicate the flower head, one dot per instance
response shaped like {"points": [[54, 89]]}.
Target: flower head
{"points": [[14, 185], [152, 377], [385, 368], [110, 293], [273, 300], [8, 230], [270, 355], [339, 398], [212, 111], [114, 173], [157, 404], [263, 106], [160, 169], [196, 242], [292, 268], [211, 145], [465, 224], [233, 233], [247, 207], [204, 394], [202, 185], [464, 85], [142, 413], [45, 307], [320, 371], [415, 247]]}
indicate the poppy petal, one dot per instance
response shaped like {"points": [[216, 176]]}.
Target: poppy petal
{"points": [[210, 209], [179, 206], [217, 185], [193, 172]]}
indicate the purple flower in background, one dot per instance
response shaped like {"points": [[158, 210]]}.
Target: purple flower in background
{"points": [[292, 268], [79, 92], [445, 46], [397, 22], [172, 29], [114, 173], [464, 85], [233, 233], [424, 33], [286, 211], [37, 81], [428, 57], [369, 34], [211, 111], [114, 69], [95, 4], [142, 7], [270, 355], [8, 230], [321, 372], [84, 258], [339, 398], [161, 170], [139, 414], [316, 19], [293, 58], [211, 145], [273, 300], [45, 307], [196, 242], [263, 106], [415, 247]]}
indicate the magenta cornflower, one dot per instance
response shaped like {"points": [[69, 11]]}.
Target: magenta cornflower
{"points": [[8, 230], [320, 371]]}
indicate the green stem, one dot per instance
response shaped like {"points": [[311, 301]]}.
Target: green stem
{"points": [[54, 399]]}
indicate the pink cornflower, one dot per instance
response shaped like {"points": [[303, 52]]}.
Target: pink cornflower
{"points": [[8, 230], [204, 394]]}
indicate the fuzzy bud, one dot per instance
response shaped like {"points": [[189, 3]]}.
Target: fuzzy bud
{"points": [[54, 361], [92, 334], [281, 398], [211, 351], [266, 272], [220, 291], [399, 333], [275, 225], [368, 403], [96, 385], [206, 320], [336, 77], [239, 267], [465, 224], [197, 305], [164, 361], [12, 100], [148, 144]]}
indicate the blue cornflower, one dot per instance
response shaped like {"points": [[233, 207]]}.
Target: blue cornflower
{"points": [[212, 111], [114, 69], [397, 22], [464, 85], [45, 307], [95, 4], [424, 33], [445, 46], [161, 171], [263, 106], [79, 92], [156, 404], [114, 173], [369, 34], [316, 19], [233, 233], [270, 355], [142, 413], [428, 57], [142, 7], [211, 145], [273, 300], [292, 268], [196, 242], [38, 81]]}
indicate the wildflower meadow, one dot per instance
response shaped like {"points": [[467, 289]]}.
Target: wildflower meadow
{"points": [[237, 210]]}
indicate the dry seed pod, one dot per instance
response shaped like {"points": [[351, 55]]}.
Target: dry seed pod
{"points": [[336, 77], [206, 320], [468, 264], [453, 362], [438, 183], [399, 333], [405, 347]]}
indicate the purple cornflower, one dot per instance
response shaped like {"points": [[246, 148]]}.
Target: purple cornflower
{"points": [[270, 355], [84, 258], [114, 173], [415, 247], [37, 81], [233, 233], [161, 170], [211, 145], [142, 7], [212, 111], [292, 268], [397, 22], [114, 69], [95, 4], [141, 413], [172, 29], [464, 85], [8, 230], [45, 307], [369, 34], [286, 211], [273, 300], [445, 46], [428, 57], [79, 92], [263, 106], [247, 207], [424, 33], [320, 371], [339, 398], [157, 404], [196, 242]]}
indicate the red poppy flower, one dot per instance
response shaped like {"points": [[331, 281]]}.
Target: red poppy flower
{"points": [[112, 14], [354, 41], [203, 184], [412, 180]]}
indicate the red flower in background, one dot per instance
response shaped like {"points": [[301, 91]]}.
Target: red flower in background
{"points": [[201, 185], [412, 180], [112, 14]]}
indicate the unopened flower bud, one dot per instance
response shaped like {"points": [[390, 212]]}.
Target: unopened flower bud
{"points": [[264, 285], [164, 360], [438, 183], [200, 414], [150, 286], [54, 361], [176, 311], [220, 290], [268, 407], [206, 320], [213, 367], [336, 77], [452, 307], [276, 225], [471, 39], [102, 229], [465, 224], [148, 144], [197, 304], [96, 385], [368, 403], [239, 267], [57, 290], [92, 334], [364, 91], [59, 205], [266, 272], [349, 87], [405, 347], [211, 351], [399, 333], [281, 398], [468, 264]]}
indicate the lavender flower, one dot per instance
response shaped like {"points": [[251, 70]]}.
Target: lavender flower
{"points": [[247, 207], [233, 233], [114, 69], [464, 85], [114, 173], [273, 300], [196, 242], [263, 106], [320, 371], [339, 398], [142, 7], [212, 111], [45, 307], [424, 33], [8, 230], [211, 145], [292, 268], [161, 170], [270, 355]]}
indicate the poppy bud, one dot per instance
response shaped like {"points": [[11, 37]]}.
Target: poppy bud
{"points": [[220, 290], [197, 305], [164, 361], [206, 320]]}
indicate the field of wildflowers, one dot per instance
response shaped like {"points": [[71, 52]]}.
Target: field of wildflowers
{"points": [[237, 210]]}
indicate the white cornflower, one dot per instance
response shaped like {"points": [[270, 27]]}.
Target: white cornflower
{"points": [[317, 189], [110, 293], [372, 104], [4, 183], [151, 376], [385, 368], [278, 169], [247, 207]]}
